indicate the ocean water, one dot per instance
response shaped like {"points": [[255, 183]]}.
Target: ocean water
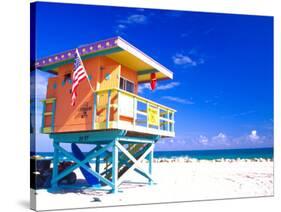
{"points": [[266, 153]]}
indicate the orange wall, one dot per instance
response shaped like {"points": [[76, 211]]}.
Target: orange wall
{"points": [[79, 117]]}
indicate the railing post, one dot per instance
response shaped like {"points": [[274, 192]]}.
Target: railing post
{"points": [[173, 121], [94, 111], [134, 111], [147, 106], [108, 109], [118, 108], [158, 115], [168, 123]]}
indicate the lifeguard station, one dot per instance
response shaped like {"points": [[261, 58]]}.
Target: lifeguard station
{"points": [[121, 125]]}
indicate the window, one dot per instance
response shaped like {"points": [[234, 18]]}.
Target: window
{"points": [[67, 78], [127, 85]]}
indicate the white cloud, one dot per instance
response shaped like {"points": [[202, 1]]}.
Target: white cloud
{"points": [[134, 19], [203, 140], [121, 26], [143, 86], [130, 20], [180, 59], [167, 86], [221, 138], [254, 136], [178, 100], [186, 60]]}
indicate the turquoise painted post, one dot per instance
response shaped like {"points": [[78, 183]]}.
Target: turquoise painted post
{"points": [[108, 109], [98, 161], [94, 111], [54, 183], [115, 167], [150, 162], [53, 115]]}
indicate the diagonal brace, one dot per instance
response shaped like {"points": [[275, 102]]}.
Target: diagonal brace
{"points": [[136, 162], [80, 163]]}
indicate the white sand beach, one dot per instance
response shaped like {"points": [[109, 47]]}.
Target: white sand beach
{"points": [[176, 180]]}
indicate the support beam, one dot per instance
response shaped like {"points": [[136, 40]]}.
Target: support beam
{"points": [[54, 184], [79, 163], [150, 162], [98, 160], [136, 164], [115, 167]]}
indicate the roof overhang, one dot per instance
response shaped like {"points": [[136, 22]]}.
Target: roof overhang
{"points": [[115, 48]]}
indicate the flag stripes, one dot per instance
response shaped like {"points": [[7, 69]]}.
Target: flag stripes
{"points": [[79, 73]]}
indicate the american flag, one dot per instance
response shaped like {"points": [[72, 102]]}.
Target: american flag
{"points": [[79, 73]]}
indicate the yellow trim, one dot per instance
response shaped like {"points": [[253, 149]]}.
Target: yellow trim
{"points": [[102, 125], [104, 106], [50, 100], [129, 60], [47, 129], [48, 113]]}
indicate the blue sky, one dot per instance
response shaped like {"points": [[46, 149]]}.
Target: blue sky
{"points": [[222, 65]]}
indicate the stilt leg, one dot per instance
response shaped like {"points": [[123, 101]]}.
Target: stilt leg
{"points": [[54, 183], [115, 167], [98, 162], [150, 162]]}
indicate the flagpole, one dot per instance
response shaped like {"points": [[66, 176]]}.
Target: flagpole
{"points": [[86, 72]]}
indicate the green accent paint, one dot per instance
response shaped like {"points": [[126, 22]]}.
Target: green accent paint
{"points": [[149, 71], [55, 85]]}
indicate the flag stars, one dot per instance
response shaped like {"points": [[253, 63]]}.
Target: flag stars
{"points": [[62, 56], [50, 59], [69, 54], [83, 50]]}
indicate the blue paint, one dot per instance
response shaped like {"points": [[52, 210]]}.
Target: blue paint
{"points": [[78, 154], [107, 76]]}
